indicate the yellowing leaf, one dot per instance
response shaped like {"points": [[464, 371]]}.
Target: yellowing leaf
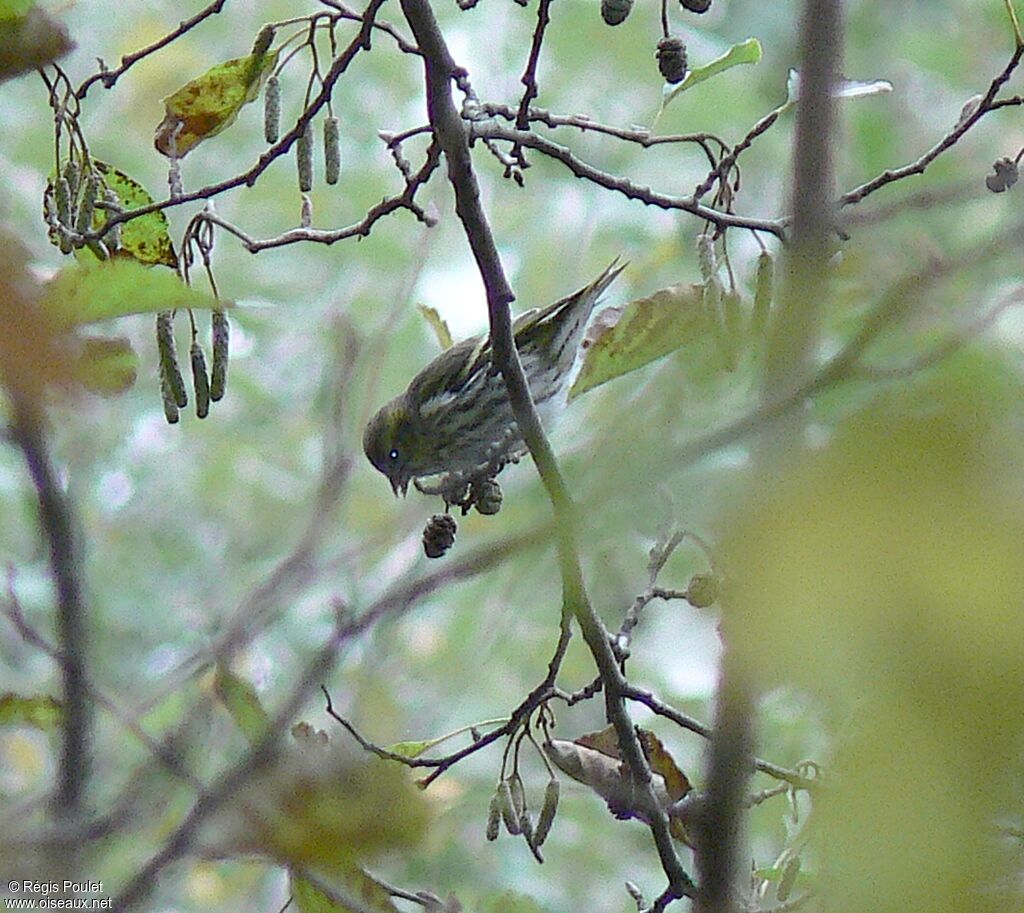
{"points": [[29, 38], [622, 339], [40, 710], [325, 807], [145, 238], [210, 103], [91, 291]]}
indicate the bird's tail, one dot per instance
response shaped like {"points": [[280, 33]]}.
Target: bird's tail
{"points": [[569, 316]]}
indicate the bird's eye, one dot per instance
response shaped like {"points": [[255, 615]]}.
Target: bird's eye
{"points": [[393, 454]]}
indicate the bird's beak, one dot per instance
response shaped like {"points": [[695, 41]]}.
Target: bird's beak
{"points": [[400, 486]]}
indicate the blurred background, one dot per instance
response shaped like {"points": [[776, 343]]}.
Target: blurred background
{"points": [[194, 529]]}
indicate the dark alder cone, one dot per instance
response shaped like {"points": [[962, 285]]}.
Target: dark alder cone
{"points": [[486, 496], [439, 535], [696, 6], [614, 12], [671, 56]]}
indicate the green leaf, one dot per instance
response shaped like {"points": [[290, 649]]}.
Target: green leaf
{"points": [[622, 339], [413, 749], [41, 711], [242, 702], [309, 897], [438, 325], [145, 238], [210, 103], [88, 292], [108, 365], [748, 51]]}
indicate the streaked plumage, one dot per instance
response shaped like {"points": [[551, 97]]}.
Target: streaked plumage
{"points": [[455, 416]]}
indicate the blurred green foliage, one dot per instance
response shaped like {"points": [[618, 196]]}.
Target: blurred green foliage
{"points": [[874, 582]]}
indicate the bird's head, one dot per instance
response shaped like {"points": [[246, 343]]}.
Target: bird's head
{"points": [[388, 442]]}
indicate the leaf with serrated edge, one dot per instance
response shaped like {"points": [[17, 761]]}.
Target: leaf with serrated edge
{"points": [[145, 238]]}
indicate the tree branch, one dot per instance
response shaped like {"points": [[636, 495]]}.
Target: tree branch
{"points": [[581, 169], [55, 519], [451, 134]]}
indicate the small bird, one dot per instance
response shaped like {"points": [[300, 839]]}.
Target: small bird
{"points": [[455, 416]]}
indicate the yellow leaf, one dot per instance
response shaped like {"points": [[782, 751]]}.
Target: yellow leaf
{"points": [[210, 103]]}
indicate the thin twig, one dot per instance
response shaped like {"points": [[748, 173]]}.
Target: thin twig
{"points": [[228, 783], [360, 229], [627, 188], [109, 77], [529, 77], [919, 165], [340, 64]]}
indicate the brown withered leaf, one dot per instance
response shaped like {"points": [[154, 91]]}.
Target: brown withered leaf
{"points": [[594, 759]]}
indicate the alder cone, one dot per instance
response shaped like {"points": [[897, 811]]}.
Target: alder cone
{"points": [[671, 56], [614, 12], [696, 6]]}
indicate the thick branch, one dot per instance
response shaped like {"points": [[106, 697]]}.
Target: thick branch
{"points": [[450, 132]]}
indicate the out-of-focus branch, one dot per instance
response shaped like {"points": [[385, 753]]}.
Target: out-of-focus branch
{"points": [[451, 133], [721, 856], [227, 784], [893, 306], [11, 608], [56, 521]]}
